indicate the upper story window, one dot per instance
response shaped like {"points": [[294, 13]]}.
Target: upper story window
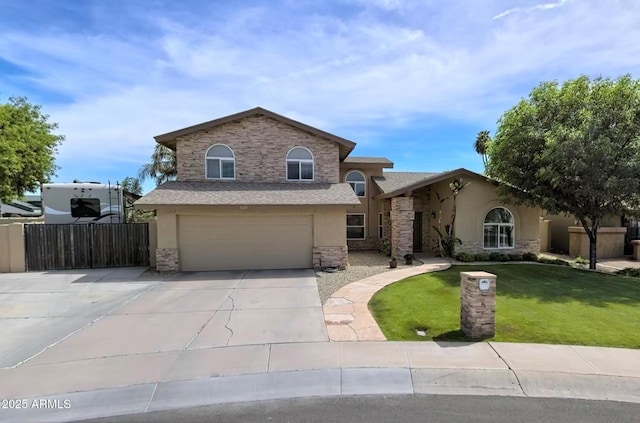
{"points": [[220, 162], [499, 230], [357, 181], [299, 164]]}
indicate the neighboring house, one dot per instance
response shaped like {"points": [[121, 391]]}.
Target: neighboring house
{"points": [[256, 190]]}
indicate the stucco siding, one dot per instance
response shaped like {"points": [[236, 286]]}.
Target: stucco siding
{"points": [[327, 228], [472, 205], [368, 205]]}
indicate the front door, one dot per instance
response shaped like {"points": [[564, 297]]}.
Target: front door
{"points": [[417, 232]]}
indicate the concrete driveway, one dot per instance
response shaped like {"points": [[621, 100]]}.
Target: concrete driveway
{"points": [[55, 317]]}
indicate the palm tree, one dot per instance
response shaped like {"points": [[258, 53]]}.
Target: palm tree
{"points": [[480, 145], [163, 166]]}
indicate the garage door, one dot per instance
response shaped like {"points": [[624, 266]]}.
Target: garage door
{"points": [[245, 242]]}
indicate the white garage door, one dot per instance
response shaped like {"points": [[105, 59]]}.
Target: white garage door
{"points": [[211, 242]]}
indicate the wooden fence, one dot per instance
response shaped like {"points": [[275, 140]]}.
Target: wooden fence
{"points": [[80, 246]]}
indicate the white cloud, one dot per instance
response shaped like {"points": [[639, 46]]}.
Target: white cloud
{"points": [[344, 73], [543, 6]]}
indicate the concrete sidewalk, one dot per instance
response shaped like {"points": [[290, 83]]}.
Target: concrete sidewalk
{"points": [[183, 378]]}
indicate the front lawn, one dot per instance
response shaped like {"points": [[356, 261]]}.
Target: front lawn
{"points": [[535, 303]]}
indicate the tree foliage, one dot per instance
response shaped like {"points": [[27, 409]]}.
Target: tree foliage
{"points": [[162, 168], [27, 148], [482, 140], [132, 215], [572, 148]]}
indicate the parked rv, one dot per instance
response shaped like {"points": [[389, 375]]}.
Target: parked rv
{"points": [[82, 203]]}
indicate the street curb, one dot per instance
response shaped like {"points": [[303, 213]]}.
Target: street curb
{"points": [[321, 383]]}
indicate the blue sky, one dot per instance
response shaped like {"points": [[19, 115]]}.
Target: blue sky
{"points": [[410, 80]]}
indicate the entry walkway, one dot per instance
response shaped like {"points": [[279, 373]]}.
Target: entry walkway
{"points": [[346, 313]]}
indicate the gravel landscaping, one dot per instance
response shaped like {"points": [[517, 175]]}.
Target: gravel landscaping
{"points": [[362, 264]]}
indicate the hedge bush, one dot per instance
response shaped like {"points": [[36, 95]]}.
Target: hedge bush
{"points": [[465, 257], [515, 257], [529, 257], [629, 271], [483, 257], [558, 261]]}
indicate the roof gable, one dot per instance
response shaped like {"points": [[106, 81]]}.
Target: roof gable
{"points": [[403, 182], [170, 138]]}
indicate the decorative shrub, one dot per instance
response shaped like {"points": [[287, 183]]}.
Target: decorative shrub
{"points": [[465, 257], [495, 256], [515, 257], [581, 260], [629, 271], [557, 261], [483, 257], [529, 257]]}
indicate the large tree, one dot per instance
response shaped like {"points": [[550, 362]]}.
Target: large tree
{"points": [[27, 148], [162, 167], [572, 149]]}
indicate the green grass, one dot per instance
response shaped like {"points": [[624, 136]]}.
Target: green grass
{"points": [[535, 303]]}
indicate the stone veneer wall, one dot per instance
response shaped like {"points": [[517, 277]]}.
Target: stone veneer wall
{"points": [[386, 219], [477, 307], [521, 247], [167, 260], [371, 243], [260, 145], [330, 257], [402, 216]]}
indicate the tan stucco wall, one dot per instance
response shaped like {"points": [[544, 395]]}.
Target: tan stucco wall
{"points": [[260, 145], [329, 228], [167, 228], [7, 220], [12, 258], [329, 223], [609, 243], [545, 236], [153, 241], [368, 205], [472, 205], [559, 229], [559, 233]]}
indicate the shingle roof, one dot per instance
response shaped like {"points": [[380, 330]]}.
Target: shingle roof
{"points": [[392, 181], [359, 159], [249, 193]]}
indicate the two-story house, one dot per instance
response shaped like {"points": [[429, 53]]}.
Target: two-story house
{"points": [[257, 190]]}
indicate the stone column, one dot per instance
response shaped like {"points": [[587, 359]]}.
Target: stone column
{"points": [[478, 304], [402, 216]]}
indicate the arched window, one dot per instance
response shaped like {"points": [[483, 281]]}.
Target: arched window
{"points": [[357, 181], [499, 229], [220, 162], [299, 164]]}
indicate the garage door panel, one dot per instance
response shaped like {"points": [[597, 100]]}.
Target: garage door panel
{"points": [[245, 242]]}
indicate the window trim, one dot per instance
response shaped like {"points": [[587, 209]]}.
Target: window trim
{"points": [[206, 162], [364, 182], [300, 161], [380, 226], [499, 226], [363, 226]]}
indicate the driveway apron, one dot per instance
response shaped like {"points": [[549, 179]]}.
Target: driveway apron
{"points": [[196, 310]]}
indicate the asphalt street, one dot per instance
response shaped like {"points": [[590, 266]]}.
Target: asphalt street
{"points": [[398, 408]]}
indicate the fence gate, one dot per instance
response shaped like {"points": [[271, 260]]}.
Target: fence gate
{"points": [[80, 246]]}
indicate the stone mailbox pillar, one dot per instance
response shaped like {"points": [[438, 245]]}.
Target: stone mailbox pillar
{"points": [[478, 304]]}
